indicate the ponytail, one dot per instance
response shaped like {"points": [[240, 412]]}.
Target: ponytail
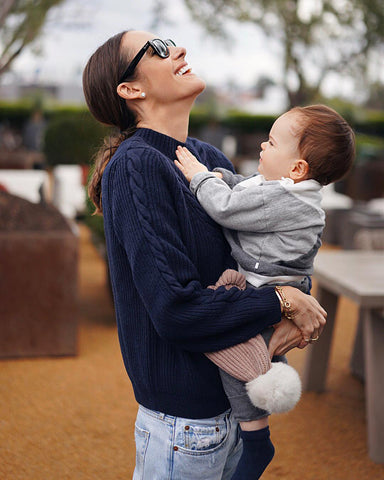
{"points": [[102, 157], [100, 79]]}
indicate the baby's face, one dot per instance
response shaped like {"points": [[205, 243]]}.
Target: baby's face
{"points": [[281, 150]]}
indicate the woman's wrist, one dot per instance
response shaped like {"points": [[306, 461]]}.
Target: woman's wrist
{"points": [[286, 306], [280, 300]]}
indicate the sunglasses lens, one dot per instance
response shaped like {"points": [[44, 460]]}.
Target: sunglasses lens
{"points": [[161, 48]]}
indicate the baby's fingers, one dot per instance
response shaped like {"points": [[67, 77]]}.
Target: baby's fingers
{"points": [[182, 152], [179, 165]]}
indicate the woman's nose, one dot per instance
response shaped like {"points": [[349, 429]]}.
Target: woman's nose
{"points": [[178, 52]]}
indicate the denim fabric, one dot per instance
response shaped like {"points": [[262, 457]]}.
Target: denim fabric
{"points": [[174, 448]]}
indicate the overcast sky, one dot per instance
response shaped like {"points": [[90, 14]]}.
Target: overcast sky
{"points": [[76, 29]]}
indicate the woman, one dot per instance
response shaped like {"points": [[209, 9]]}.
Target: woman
{"points": [[163, 251]]}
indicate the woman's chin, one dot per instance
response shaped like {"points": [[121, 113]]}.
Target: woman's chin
{"points": [[200, 85]]}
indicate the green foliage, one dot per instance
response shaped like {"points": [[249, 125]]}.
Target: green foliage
{"points": [[233, 120], [198, 118], [247, 123], [21, 22], [15, 114], [72, 137], [370, 123], [369, 149]]}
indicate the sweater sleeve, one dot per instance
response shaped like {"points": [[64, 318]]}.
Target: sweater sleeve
{"points": [[145, 220]]}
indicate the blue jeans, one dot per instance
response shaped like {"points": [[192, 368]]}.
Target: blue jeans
{"points": [[175, 448]]}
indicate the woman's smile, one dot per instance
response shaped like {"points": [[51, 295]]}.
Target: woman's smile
{"points": [[184, 69]]}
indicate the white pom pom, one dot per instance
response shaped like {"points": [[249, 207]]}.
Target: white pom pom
{"points": [[277, 391]]}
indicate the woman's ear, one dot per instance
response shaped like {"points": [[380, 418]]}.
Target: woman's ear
{"points": [[128, 91], [299, 170]]}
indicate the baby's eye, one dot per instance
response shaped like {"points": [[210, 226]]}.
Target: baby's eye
{"points": [[151, 52], [270, 142]]}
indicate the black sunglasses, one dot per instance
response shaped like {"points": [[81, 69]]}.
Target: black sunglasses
{"points": [[160, 47]]}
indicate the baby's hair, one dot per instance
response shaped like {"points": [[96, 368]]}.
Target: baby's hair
{"points": [[326, 142]]}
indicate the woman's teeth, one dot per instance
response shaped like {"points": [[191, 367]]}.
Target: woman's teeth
{"points": [[183, 70]]}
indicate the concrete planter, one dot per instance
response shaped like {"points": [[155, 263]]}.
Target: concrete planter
{"points": [[38, 287], [38, 282]]}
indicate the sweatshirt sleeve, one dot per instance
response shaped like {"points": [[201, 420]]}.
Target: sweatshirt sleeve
{"points": [[237, 209], [145, 219], [230, 178]]}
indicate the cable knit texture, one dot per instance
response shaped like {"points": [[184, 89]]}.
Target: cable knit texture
{"points": [[163, 252]]}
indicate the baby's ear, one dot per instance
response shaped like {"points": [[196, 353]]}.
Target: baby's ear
{"points": [[299, 170]]}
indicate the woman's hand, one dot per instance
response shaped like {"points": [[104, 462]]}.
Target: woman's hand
{"points": [[307, 314], [285, 337], [188, 163]]}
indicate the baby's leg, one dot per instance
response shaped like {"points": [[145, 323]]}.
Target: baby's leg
{"points": [[258, 449], [274, 387], [250, 361], [258, 452]]}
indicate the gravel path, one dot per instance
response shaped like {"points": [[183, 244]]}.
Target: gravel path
{"points": [[73, 418]]}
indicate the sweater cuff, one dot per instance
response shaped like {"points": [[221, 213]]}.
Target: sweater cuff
{"points": [[199, 179]]}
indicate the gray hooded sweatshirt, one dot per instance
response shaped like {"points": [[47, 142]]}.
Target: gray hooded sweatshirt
{"points": [[273, 227]]}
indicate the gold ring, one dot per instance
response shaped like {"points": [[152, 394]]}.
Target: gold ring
{"points": [[314, 339], [307, 340]]}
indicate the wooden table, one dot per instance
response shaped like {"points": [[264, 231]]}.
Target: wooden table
{"points": [[358, 275]]}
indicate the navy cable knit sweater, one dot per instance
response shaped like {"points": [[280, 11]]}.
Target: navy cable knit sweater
{"points": [[163, 251]]}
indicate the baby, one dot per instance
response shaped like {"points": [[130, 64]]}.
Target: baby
{"points": [[273, 221]]}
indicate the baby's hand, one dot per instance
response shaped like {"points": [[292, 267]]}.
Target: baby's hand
{"points": [[188, 163]]}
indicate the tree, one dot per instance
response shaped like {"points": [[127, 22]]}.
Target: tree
{"points": [[21, 22], [317, 38], [262, 84], [376, 96]]}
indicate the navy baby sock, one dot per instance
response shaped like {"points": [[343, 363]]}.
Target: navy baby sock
{"points": [[258, 451]]}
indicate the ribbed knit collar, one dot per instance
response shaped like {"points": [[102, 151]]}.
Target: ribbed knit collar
{"points": [[165, 144]]}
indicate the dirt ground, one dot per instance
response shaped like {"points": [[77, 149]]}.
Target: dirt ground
{"points": [[73, 418]]}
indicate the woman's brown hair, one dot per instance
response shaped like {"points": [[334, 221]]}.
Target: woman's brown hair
{"points": [[100, 80], [326, 142]]}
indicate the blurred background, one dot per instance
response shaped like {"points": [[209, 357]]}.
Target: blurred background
{"points": [[67, 409]]}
